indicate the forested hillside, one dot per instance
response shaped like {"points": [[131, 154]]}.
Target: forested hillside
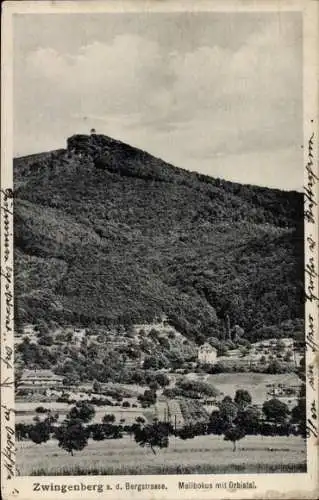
{"points": [[108, 234]]}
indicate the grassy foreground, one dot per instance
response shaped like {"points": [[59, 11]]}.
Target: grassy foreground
{"points": [[203, 454]]}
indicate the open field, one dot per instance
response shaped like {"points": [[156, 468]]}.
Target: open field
{"points": [[255, 383], [226, 383], [203, 454], [25, 412]]}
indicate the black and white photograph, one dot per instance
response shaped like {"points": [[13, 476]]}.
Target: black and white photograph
{"points": [[159, 309]]}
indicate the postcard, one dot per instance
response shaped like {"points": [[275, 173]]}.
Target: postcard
{"points": [[159, 250]]}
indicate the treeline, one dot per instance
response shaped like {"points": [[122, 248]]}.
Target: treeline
{"points": [[234, 419]]}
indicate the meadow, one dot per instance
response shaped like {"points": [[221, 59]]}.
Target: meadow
{"points": [[26, 413], [203, 454], [255, 383]]}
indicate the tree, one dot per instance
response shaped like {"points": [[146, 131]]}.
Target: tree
{"points": [[249, 419], [217, 425], [108, 418], [162, 379], [153, 334], [153, 385], [214, 342], [288, 356], [187, 432], [301, 372], [46, 340], [228, 410], [41, 409], [153, 435], [72, 436], [97, 387], [51, 417], [148, 398], [97, 431], [275, 411], [82, 411], [108, 430], [234, 419], [138, 377], [275, 367], [237, 332], [71, 378], [152, 362], [42, 327], [299, 412], [222, 349], [242, 398], [22, 431], [140, 420], [40, 432], [234, 433]]}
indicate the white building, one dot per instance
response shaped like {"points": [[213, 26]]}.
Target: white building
{"points": [[207, 354]]}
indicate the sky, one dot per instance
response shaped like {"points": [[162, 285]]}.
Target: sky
{"points": [[217, 93]]}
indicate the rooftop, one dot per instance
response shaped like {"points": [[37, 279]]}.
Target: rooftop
{"points": [[31, 374]]}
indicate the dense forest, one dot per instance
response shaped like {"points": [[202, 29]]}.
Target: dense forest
{"points": [[107, 234]]}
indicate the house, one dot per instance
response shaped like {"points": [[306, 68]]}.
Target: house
{"points": [[40, 379], [207, 354]]}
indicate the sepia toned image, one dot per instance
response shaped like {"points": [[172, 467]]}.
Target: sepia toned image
{"points": [[158, 265]]}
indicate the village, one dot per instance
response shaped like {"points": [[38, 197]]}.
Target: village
{"points": [[137, 351]]}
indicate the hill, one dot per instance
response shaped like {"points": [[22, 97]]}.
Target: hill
{"points": [[108, 234]]}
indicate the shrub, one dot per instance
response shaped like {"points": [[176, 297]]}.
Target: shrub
{"points": [[162, 379], [275, 367], [275, 410], [41, 409], [197, 387], [22, 431], [108, 418], [148, 398], [46, 341], [82, 411], [140, 420], [97, 432]]}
